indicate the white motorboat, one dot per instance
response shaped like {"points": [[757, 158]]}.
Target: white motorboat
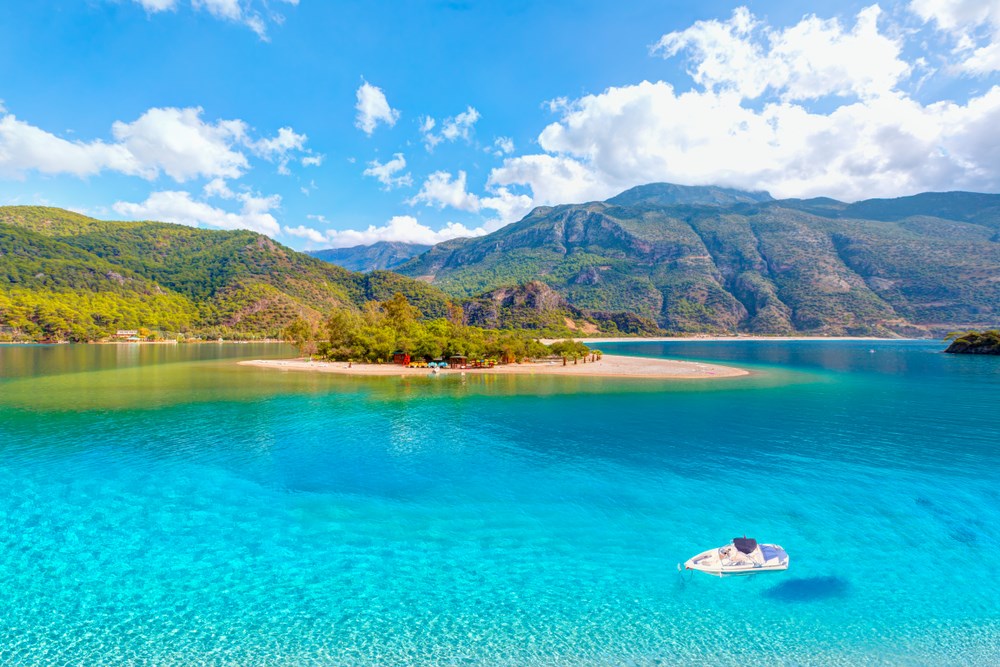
{"points": [[742, 556]]}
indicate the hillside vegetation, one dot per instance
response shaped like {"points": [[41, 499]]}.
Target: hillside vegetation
{"points": [[64, 275], [714, 260]]}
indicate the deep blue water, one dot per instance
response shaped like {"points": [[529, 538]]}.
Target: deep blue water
{"points": [[165, 506]]}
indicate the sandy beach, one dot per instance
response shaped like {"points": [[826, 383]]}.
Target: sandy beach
{"points": [[608, 366]]}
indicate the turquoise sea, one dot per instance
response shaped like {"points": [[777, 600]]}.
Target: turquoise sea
{"points": [[163, 506]]}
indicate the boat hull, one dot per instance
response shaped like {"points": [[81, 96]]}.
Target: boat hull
{"points": [[735, 571]]}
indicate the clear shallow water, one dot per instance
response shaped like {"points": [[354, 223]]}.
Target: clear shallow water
{"points": [[165, 506]]}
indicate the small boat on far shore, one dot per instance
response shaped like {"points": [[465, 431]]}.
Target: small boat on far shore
{"points": [[742, 556]]}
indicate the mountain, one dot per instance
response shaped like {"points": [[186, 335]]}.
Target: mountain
{"points": [[381, 255], [712, 259], [668, 194], [67, 275]]}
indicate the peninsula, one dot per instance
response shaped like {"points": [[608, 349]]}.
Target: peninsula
{"points": [[610, 366]]}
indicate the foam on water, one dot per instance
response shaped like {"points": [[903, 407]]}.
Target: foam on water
{"points": [[304, 520]]}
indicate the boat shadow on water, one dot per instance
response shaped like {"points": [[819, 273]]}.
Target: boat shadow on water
{"points": [[809, 589]]}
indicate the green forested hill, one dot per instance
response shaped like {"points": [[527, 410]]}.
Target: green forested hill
{"points": [[66, 275], [711, 260]]}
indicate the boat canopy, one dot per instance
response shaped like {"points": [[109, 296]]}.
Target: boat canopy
{"points": [[745, 545]]}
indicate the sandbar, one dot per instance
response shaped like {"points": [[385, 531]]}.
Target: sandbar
{"points": [[612, 366]]}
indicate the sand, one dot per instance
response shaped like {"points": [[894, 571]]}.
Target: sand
{"points": [[608, 366]]}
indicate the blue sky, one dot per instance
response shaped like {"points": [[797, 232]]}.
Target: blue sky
{"points": [[309, 120]]}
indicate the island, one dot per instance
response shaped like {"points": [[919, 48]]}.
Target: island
{"points": [[974, 342]]}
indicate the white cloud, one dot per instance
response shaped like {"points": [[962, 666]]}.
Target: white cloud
{"points": [[749, 127], [179, 143], [244, 12], [975, 25], [171, 141], [154, 6], [402, 228], [452, 128], [280, 147], [373, 108], [460, 125], [313, 160], [503, 146], [508, 206], [218, 188], [386, 173], [24, 147], [441, 190], [555, 179], [809, 60], [307, 233], [180, 208]]}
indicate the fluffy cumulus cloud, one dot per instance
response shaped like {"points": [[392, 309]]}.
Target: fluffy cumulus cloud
{"points": [[250, 13], [174, 142], [809, 60], [400, 228], [373, 108], [442, 190], [24, 147], [818, 108], [314, 236], [506, 206], [386, 174], [974, 25], [453, 128], [180, 207]]}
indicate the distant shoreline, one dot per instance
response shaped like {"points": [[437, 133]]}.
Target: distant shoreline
{"points": [[609, 366], [269, 341], [714, 339]]}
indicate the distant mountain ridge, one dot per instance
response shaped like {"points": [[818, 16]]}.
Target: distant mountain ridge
{"points": [[380, 255], [716, 259], [669, 194]]}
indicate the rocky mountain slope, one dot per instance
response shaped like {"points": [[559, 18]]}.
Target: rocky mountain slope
{"points": [[711, 259]]}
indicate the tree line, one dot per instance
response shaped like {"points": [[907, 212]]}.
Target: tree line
{"points": [[383, 328]]}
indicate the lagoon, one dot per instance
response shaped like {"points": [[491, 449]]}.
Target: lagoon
{"points": [[165, 505]]}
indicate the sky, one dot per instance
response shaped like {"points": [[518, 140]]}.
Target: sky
{"points": [[333, 124]]}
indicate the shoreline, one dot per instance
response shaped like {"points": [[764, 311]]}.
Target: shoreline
{"points": [[609, 366], [719, 339]]}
